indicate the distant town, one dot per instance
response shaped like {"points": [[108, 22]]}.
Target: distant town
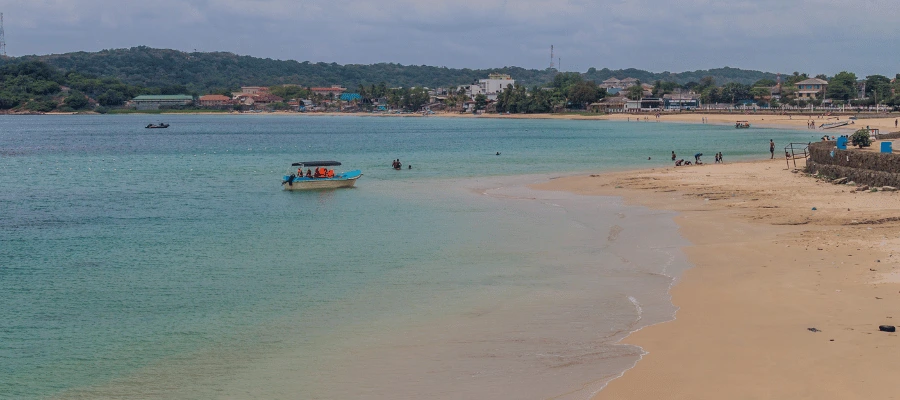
{"points": [[499, 93]]}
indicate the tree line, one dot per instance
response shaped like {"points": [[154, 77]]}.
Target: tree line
{"points": [[210, 72], [78, 81]]}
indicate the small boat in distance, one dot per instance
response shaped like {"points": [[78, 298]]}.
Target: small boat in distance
{"points": [[323, 179], [157, 126], [742, 125]]}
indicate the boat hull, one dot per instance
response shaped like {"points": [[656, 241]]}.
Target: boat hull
{"points": [[347, 179]]}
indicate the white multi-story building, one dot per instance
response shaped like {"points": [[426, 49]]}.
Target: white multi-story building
{"points": [[490, 87]]}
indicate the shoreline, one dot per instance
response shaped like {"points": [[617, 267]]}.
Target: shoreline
{"points": [[885, 122], [765, 268]]}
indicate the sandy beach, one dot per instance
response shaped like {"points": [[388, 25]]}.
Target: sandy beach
{"points": [[775, 254]]}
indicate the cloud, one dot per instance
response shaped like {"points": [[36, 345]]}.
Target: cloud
{"points": [[806, 35]]}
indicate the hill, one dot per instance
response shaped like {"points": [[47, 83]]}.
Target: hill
{"points": [[38, 87], [205, 72]]}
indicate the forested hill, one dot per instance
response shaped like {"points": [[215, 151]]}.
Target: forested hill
{"points": [[203, 72]]}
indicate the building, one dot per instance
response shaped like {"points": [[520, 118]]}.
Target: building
{"points": [[614, 86], [628, 82], [334, 90], [681, 101], [775, 92], [265, 98], [811, 89], [254, 90], [609, 105], [214, 100], [490, 87], [155, 102], [644, 104], [495, 83], [611, 83]]}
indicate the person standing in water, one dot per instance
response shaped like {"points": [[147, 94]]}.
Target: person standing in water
{"points": [[673, 155], [772, 148]]}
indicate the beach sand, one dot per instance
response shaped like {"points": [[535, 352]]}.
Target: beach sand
{"points": [[885, 123], [766, 268]]}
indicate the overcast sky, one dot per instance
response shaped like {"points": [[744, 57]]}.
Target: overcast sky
{"points": [[813, 36]]}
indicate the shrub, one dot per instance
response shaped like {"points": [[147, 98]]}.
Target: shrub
{"points": [[41, 105], [861, 138]]}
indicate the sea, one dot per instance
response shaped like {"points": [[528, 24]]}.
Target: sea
{"points": [[170, 264]]}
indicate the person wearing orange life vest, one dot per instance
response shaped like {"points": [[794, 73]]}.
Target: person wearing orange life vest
{"points": [[330, 173]]}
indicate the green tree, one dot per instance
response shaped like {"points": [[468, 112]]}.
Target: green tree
{"points": [[765, 83], [842, 86], [415, 98], [564, 80], [111, 98], [796, 77], [661, 88], [634, 93], [76, 100], [706, 82], [878, 85], [480, 102], [735, 92], [41, 105], [860, 138], [583, 93], [760, 93]]}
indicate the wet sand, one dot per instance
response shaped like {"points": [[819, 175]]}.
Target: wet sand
{"points": [[767, 267]]}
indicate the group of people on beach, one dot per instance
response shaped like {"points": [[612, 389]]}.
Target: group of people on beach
{"points": [[320, 172], [697, 161]]}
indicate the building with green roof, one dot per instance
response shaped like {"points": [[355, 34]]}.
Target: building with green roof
{"points": [[155, 101]]}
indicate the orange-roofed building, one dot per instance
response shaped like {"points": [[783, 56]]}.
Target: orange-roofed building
{"points": [[336, 90], [212, 100]]}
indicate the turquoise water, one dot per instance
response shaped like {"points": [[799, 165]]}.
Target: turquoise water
{"points": [[169, 263]]}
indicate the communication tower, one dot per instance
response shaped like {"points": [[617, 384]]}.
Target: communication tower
{"points": [[551, 56], [2, 38]]}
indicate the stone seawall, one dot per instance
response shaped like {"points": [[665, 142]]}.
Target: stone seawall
{"points": [[869, 168]]}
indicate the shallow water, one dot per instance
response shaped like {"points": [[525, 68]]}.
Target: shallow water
{"points": [[168, 263]]}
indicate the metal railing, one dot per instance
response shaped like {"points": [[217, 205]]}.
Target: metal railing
{"points": [[793, 151]]}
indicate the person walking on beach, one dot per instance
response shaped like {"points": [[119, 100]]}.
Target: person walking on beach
{"points": [[895, 122], [772, 148]]}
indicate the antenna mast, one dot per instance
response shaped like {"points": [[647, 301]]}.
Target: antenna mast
{"points": [[2, 38]]}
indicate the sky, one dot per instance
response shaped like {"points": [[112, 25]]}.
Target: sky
{"points": [[811, 36]]}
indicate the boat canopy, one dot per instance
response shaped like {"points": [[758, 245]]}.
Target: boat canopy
{"points": [[316, 164]]}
